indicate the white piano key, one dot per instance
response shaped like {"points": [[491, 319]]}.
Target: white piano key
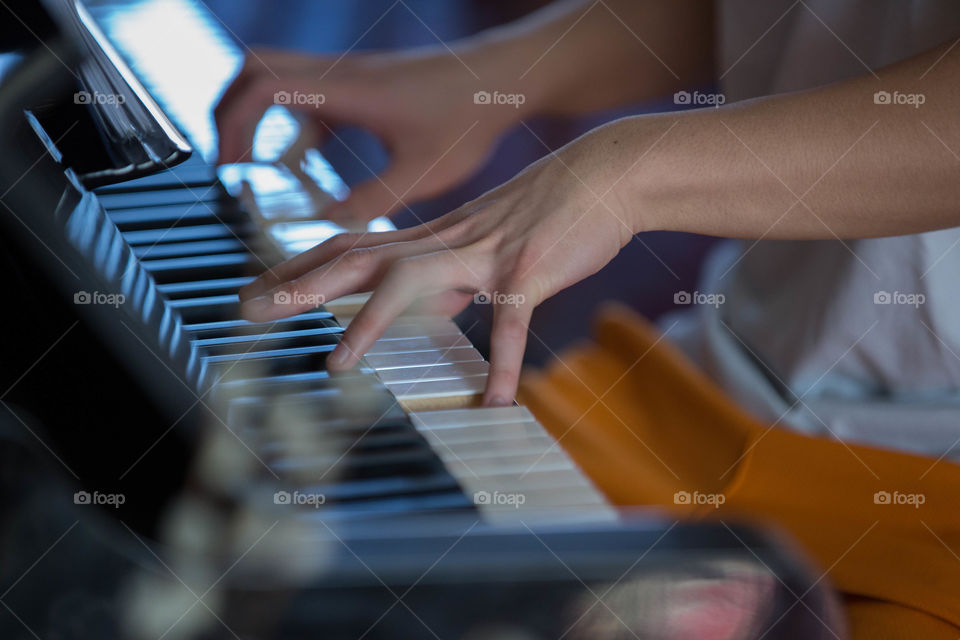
{"points": [[403, 331], [347, 306], [406, 320], [422, 343], [550, 516], [415, 396], [440, 388], [485, 434], [488, 445], [443, 371], [486, 415], [422, 358], [511, 466]]}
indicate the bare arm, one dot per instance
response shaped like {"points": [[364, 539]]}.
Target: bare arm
{"points": [[576, 56], [816, 164]]}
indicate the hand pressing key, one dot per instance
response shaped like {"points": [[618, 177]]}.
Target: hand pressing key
{"points": [[552, 225]]}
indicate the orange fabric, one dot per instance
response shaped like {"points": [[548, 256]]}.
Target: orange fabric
{"points": [[644, 424]]}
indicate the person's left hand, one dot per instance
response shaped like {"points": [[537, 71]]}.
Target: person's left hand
{"points": [[554, 224]]}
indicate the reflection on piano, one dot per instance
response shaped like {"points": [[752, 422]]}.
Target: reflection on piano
{"points": [[219, 481]]}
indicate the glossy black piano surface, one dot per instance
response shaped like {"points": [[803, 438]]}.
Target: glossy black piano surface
{"points": [[169, 470]]}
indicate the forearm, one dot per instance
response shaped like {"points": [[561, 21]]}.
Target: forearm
{"points": [[576, 56], [818, 164]]}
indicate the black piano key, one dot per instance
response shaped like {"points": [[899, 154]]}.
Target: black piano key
{"points": [[240, 380], [207, 309], [186, 249], [281, 359], [273, 341], [186, 234], [204, 288], [311, 319], [373, 488], [351, 407], [351, 457], [175, 216], [410, 459], [226, 265], [383, 438], [153, 198], [390, 507]]}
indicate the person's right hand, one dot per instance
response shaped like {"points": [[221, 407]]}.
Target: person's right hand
{"points": [[419, 105]]}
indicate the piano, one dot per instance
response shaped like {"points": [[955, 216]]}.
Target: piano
{"points": [[170, 470]]}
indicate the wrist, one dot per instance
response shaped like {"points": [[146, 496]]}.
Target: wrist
{"points": [[631, 155]]}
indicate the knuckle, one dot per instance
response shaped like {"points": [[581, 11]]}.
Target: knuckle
{"points": [[342, 242], [286, 290], [359, 257], [406, 267], [503, 374], [527, 257], [512, 328], [418, 269], [301, 288]]}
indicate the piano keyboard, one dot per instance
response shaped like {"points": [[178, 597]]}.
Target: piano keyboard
{"points": [[418, 441], [442, 456]]}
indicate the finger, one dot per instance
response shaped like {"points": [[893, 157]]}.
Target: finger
{"points": [[240, 117], [259, 63], [447, 303], [329, 249], [352, 272], [508, 340], [406, 280]]}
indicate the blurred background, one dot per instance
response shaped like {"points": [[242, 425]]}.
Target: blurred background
{"points": [[647, 272]]}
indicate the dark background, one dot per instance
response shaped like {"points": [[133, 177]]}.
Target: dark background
{"points": [[645, 275]]}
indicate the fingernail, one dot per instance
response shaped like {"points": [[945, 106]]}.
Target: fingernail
{"points": [[337, 357], [247, 290], [256, 305], [498, 401]]}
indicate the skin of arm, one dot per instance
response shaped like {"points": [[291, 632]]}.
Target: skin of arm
{"points": [[826, 163], [579, 56]]}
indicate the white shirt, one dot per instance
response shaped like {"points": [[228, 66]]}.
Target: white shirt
{"points": [[800, 340]]}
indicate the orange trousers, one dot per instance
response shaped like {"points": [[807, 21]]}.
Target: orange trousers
{"points": [[645, 423]]}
